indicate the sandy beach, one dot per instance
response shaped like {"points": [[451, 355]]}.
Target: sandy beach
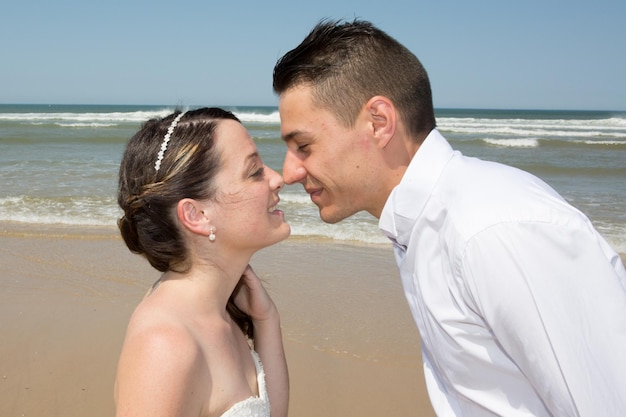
{"points": [[67, 293]]}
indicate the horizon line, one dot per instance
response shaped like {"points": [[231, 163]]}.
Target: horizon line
{"points": [[276, 106]]}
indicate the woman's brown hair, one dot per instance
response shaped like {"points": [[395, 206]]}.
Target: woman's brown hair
{"points": [[148, 195]]}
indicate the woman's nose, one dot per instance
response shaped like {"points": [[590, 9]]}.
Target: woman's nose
{"points": [[276, 180]]}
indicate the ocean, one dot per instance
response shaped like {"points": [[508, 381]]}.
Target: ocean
{"points": [[59, 163]]}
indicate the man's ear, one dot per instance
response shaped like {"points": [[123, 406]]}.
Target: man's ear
{"points": [[383, 118], [192, 215]]}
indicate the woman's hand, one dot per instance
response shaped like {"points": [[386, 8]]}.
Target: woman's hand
{"points": [[252, 298]]}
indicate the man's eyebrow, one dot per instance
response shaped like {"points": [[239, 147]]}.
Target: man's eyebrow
{"points": [[292, 135]]}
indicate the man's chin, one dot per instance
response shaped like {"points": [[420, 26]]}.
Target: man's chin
{"points": [[330, 217]]}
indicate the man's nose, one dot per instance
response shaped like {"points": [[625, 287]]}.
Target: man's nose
{"points": [[293, 170]]}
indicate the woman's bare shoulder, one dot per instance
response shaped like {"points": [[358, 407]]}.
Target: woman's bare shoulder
{"points": [[160, 365]]}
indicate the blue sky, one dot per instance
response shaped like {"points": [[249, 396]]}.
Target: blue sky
{"points": [[479, 54]]}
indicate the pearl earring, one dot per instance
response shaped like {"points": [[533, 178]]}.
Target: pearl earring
{"points": [[212, 235]]}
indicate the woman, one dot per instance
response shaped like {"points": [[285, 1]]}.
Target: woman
{"points": [[198, 202]]}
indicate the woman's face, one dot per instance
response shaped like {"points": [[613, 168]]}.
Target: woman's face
{"points": [[245, 213]]}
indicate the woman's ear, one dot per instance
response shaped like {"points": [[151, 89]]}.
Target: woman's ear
{"points": [[383, 119], [192, 215]]}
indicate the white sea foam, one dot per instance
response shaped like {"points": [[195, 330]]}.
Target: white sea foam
{"points": [[513, 143], [86, 124], [86, 118], [103, 119], [253, 117], [343, 231], [300, 212], [612, 128], [293, 196], [604, 142], [86, 211]]}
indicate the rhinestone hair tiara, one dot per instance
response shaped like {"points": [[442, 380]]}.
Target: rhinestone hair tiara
{"points": [[166, 140]]}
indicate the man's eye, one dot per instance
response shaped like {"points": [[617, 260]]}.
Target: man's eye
{"points": [[303, 147]]}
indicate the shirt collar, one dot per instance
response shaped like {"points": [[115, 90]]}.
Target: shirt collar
{"points": [[408, 199]]}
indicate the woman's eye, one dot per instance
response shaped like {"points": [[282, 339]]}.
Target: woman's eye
{"points": [[258, 172]]}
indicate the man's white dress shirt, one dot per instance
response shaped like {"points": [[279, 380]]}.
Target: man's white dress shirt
{"points": [[520, 303]]}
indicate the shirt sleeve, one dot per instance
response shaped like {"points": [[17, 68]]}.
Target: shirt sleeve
{"points": [[557, 308]]}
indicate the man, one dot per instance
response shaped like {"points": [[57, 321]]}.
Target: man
{"points": [[520, 303]]}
